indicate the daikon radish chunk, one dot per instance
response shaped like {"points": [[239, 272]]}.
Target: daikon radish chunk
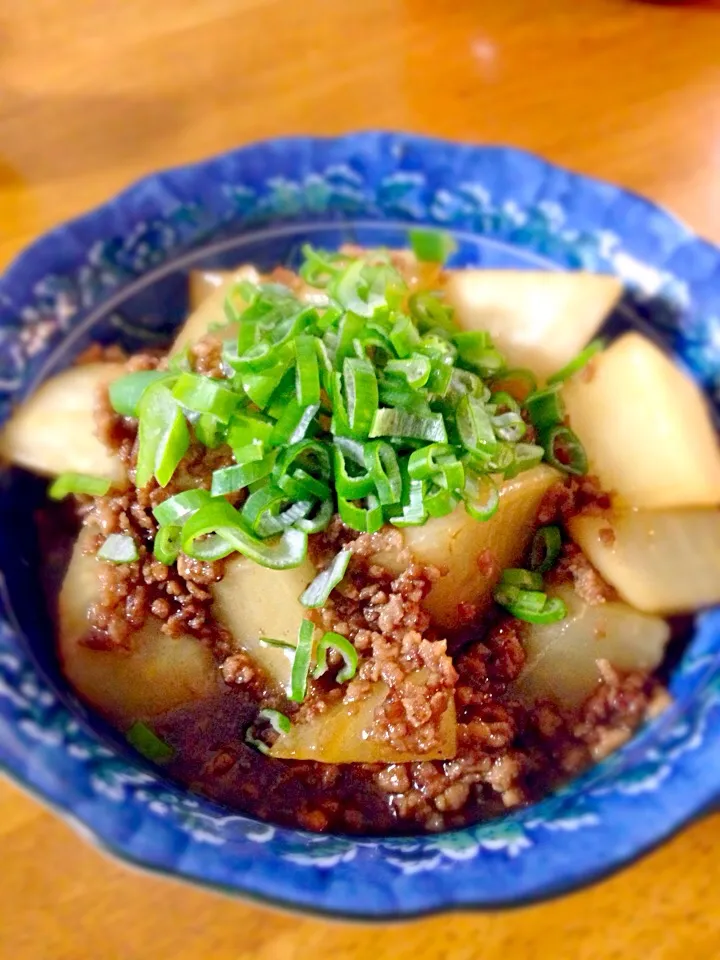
{"points": [[537, 319], [661, 561], [461, 547], [54, 432], [340, 735], [253, 602], [211, 309], [156, 673], [645, 427], [562, 657]]}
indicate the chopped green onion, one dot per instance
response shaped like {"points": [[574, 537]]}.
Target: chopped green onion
{"points": [[167, 544], [318, 518], [245, 429], [271, 642], [147, 743], [176, 510], [278, 721], [439, 501], [240, 475], [532, 606], [545, 407], [316, 593], [68, 483], [546, 548], [320, 267], [347, 651], [293, 424], [564, 451], [301, 662], [415, 370], [404, 336], [219, 520], [481, 496], [525, 456], [391, 422], [365, 519], [579, 362], [476, 350], [125, 392], [413, 512], [361, 391], [163, 437], [252, 741], [384, 470], [524, 579], [348, 458], [118, 548], [268, 511], [475, 427], [307, 372], [205, 395], [250, 453], [431, 246]]}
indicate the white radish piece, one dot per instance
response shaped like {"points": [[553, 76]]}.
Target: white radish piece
{"points": [[537, 319], [54, 432], [253, 602], [562, 657], [156, 673], [340, 735], [461, 546], [645, 427], [660, 561]]}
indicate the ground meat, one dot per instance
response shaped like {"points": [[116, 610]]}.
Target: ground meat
{"points": [[574, 567], [206, 357], [572, 496]]}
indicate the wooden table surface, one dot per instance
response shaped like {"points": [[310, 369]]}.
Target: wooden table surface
{"points": [[94, 93]]}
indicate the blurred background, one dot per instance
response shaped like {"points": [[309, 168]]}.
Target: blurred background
{"points": [[95, 93]]}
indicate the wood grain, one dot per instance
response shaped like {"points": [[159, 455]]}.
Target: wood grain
{"points": [[95, 93]]}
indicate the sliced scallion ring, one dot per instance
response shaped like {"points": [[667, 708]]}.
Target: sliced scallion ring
{"points": [[347, 651]]}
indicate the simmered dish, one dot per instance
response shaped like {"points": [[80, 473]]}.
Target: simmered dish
{"points": [[378, 546]]}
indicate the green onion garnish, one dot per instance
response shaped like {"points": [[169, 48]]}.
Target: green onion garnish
{"points": [[301, 662], [167, 544], [533, 606], [545, 407], [579, 362], [545, 550], [162, 434], [278, 721], [118, 548], [176, 510], [148, 743], [347, 651], [564, 451], [126, 392], [431, 246], [272, 642], [391, 422], [217, 529], [316, 594], [68, 483], [238, 476]]}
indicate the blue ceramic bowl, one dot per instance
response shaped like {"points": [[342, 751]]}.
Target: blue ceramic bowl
{"points": [[117, 274]]}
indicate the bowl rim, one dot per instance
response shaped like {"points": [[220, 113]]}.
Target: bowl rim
{"points": [[22, 270]]}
